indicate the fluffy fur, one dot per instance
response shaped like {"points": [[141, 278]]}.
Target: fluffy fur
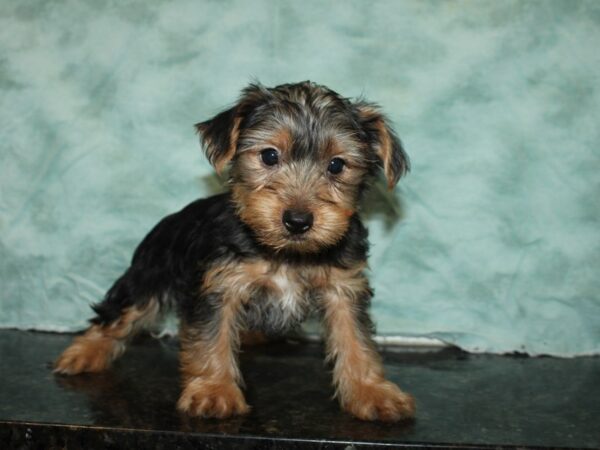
{"points": [[284, 241]]}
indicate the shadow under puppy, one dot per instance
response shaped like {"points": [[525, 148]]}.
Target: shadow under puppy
{"points": [[284, 241]]}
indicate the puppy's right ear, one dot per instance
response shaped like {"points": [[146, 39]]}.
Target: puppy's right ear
{"points": [[220, 134], [219, 137]]}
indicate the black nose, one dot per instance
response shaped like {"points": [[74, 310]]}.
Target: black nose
{"points": [[297, 222]]}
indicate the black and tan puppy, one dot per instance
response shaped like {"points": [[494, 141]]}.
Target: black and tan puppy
{"points": [[284, 241]]}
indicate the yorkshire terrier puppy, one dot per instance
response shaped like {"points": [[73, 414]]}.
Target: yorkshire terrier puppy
{"points": [[284, 241]]}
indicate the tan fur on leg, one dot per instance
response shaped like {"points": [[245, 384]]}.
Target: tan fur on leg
{"points": [[100, 345], [209, 365], [210, 373], [358, 374]]}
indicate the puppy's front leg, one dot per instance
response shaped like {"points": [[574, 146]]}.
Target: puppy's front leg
{"points": [[358, 374], [209, 347]]}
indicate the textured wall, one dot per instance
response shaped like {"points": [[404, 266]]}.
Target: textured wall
{"points": [[496, 243]]}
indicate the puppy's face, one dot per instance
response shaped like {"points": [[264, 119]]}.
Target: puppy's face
{"points": [[300, 157]]}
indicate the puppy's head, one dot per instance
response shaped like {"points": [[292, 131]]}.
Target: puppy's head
{"points": [[300, 158]]}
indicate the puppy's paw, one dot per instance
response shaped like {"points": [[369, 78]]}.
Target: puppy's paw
{"points": [[382, 400], [88, 354], [207, 398]]}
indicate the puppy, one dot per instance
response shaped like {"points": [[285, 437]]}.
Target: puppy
{"points": [[284, 241]]}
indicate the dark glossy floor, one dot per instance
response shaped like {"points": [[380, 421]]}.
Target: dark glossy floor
{"points": [[464, 401]]}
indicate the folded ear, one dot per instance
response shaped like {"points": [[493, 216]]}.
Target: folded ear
{"points": [[220, 134], [384, 141], [219, 137]]}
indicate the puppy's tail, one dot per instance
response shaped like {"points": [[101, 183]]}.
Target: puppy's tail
{"points": [[120, 296]]}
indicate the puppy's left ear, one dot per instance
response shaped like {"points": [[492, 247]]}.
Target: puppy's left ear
{"points": [[219, 137], [384, 141]]}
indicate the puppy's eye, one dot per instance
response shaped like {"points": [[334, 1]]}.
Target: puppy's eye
{"points": [[269, 156], [336, 165]]}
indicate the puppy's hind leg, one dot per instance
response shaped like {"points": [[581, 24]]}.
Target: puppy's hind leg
{"points": [[107, 338], [101, 344]]}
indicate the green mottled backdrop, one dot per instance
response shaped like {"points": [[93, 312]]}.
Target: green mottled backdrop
{"points": [[491, 243]]}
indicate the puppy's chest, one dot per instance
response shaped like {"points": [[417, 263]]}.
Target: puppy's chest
{"points": [[282, 297], [277, 297]]}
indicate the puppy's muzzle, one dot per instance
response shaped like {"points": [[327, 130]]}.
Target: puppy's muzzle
{"points": [[297, 221]]}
